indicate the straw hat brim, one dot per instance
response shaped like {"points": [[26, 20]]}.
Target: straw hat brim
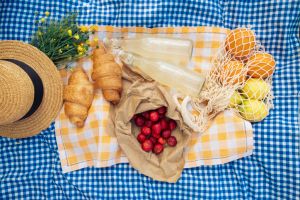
{"points": [[52, 84]]}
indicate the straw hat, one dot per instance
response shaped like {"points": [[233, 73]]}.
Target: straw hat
{"points": [[30, 90]]}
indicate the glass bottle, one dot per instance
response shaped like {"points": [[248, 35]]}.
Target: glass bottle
{"points": [[173, 50], [182, 79]]}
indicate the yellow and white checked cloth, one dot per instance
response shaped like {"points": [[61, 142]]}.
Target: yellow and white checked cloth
{"points": [[228, 138]]}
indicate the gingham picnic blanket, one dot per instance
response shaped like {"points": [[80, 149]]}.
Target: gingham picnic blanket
{"points": [[228, 138], [31, 169]]}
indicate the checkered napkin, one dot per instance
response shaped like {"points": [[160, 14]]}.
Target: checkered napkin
{"points": [[228, 138]]}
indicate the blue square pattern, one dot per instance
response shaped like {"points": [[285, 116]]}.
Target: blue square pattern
{"points": [[30, 168]]}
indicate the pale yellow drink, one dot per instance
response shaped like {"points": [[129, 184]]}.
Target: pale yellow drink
{"points": [[173, 50], [182, 79]]}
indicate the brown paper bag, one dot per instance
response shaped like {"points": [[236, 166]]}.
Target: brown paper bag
{"points": [[139, 95]]}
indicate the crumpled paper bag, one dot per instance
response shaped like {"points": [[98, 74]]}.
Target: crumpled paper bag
{"points": [[141, 95]]}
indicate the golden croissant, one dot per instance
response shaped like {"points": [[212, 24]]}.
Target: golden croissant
{"points": [[78, 96], [107, 75]]}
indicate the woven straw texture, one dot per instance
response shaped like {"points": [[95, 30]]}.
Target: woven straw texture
{"points": [[52, 99], [13, 97]]}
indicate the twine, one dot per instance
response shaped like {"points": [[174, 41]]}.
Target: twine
{"points": [[224, 79]]}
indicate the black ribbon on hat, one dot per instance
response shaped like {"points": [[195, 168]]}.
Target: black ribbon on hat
{"points": [[37, 84]]}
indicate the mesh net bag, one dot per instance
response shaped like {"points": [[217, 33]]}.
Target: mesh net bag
{"points": [[240, 79]]}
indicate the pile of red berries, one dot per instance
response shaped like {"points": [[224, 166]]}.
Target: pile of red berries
{"points": [[156, 130]]}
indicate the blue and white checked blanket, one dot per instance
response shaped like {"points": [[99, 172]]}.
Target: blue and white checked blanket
{"points": [[30, 168]]}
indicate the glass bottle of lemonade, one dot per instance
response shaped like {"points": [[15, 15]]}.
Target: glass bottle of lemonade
{"points": [[173, 50], [182, 79]]}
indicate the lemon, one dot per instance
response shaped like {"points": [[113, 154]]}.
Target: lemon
{"points": [[235, 99], [256, 89], [253, 110]]}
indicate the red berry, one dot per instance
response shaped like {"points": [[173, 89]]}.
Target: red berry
{"points": [[134, 117], [147, 145], [172, 124], [156, 135], [154, 116], [162, 110], [161, 141], [139, 121], [156, 129], [158, 148], [146, 130], [166, 134], [172, 141], [153, 140], [148, 123], [146, 115], [141, 138], [161, 116], [164, 124]]}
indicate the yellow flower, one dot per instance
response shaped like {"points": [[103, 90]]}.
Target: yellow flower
{"points": [[70, 32], [84, 29], [94, 42], [94, 28], [80, 49], [76, 36], [47, 13], [88, 42], [40, 33], [82, 45], [42, 20], [96, 39], [67, 46], [60, 51], [80, 53]]}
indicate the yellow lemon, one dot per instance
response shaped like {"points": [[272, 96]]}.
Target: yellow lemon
{"points": [[235, 99], [240, 42], [253, 110], [256, 89]]}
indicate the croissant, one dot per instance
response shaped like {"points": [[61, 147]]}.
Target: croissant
{"points": [[107, 75], [78, 96]]}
